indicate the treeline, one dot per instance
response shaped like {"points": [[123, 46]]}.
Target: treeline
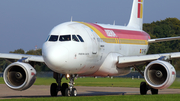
{"points": [[169, 27]]}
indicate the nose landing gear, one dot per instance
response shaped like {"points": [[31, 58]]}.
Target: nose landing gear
{"points": [[71, 91], [64, 88]]}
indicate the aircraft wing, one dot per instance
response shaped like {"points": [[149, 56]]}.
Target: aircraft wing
{"points": [[163, 39], [34, 58], [127, 61]]}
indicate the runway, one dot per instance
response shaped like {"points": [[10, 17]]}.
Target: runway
{"points": [[44, 91]]}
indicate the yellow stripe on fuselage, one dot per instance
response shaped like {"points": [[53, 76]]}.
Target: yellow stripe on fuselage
{"points": [[141, 14], [116, 40], [94, 29], [125, 41]]}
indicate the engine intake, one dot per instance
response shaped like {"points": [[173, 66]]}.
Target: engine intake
{"points": [[19, 76], [159, 74]]}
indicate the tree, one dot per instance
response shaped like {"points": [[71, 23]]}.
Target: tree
{"points": [[34, 52], [19, 51], [3, 64]]}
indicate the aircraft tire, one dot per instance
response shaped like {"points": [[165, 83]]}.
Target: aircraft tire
{"points": [[143, 88], [64, 87], [74, 92], [53, 89], [154, 91], [67, 92]]}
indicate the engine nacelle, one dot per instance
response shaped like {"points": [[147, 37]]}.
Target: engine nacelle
{"points": [[19, 76], [159, 74]]}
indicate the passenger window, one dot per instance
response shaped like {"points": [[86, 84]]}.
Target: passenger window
{"points": [[74, 38], [53, 38], [80, 38], [65, 38]]}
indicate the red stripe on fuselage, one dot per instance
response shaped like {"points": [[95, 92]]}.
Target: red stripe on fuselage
{"points": [[128, 34], [124, 34], [101, 29]]}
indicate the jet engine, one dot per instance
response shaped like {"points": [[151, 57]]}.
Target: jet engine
{"points": [[159, 74], [19, 76]]}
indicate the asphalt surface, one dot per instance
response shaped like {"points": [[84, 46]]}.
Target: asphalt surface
{"points": [[44, 91]]}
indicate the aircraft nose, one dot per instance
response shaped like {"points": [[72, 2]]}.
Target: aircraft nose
{"points": [[56, 56]]}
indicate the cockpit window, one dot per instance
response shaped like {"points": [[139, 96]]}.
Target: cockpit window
{"points": [[53, 38], [80, 38], [47, 37], [65, 38], [74, 38]]}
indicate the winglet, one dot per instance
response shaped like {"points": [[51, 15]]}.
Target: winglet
{"points": [[136, 19]]}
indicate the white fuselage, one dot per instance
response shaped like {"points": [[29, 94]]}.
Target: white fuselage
{"points": [[91, 56]]}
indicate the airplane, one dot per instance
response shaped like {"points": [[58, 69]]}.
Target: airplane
{"points": [[75, 49]]}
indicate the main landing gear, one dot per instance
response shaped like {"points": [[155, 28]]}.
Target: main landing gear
{"points": [[144, 88], [64, 88]]}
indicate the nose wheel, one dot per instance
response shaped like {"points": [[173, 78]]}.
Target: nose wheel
{"points": [[71, 91], [64, 88]]}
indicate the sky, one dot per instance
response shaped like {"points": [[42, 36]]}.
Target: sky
{"points": [[26, 23]]}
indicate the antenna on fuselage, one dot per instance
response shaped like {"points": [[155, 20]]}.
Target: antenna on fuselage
{"points": [[114, 22], [71, 18]]}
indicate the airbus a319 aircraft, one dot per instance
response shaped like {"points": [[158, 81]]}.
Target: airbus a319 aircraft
{"points": [[75, 49]]}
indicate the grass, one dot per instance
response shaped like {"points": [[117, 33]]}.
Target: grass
{"points": [[108, 82], [100, 82], [169, 97], [89, 81], [103, 82]]}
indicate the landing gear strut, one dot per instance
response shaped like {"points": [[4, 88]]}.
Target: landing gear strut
{"points": [[144, 87], [64, 88]]}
